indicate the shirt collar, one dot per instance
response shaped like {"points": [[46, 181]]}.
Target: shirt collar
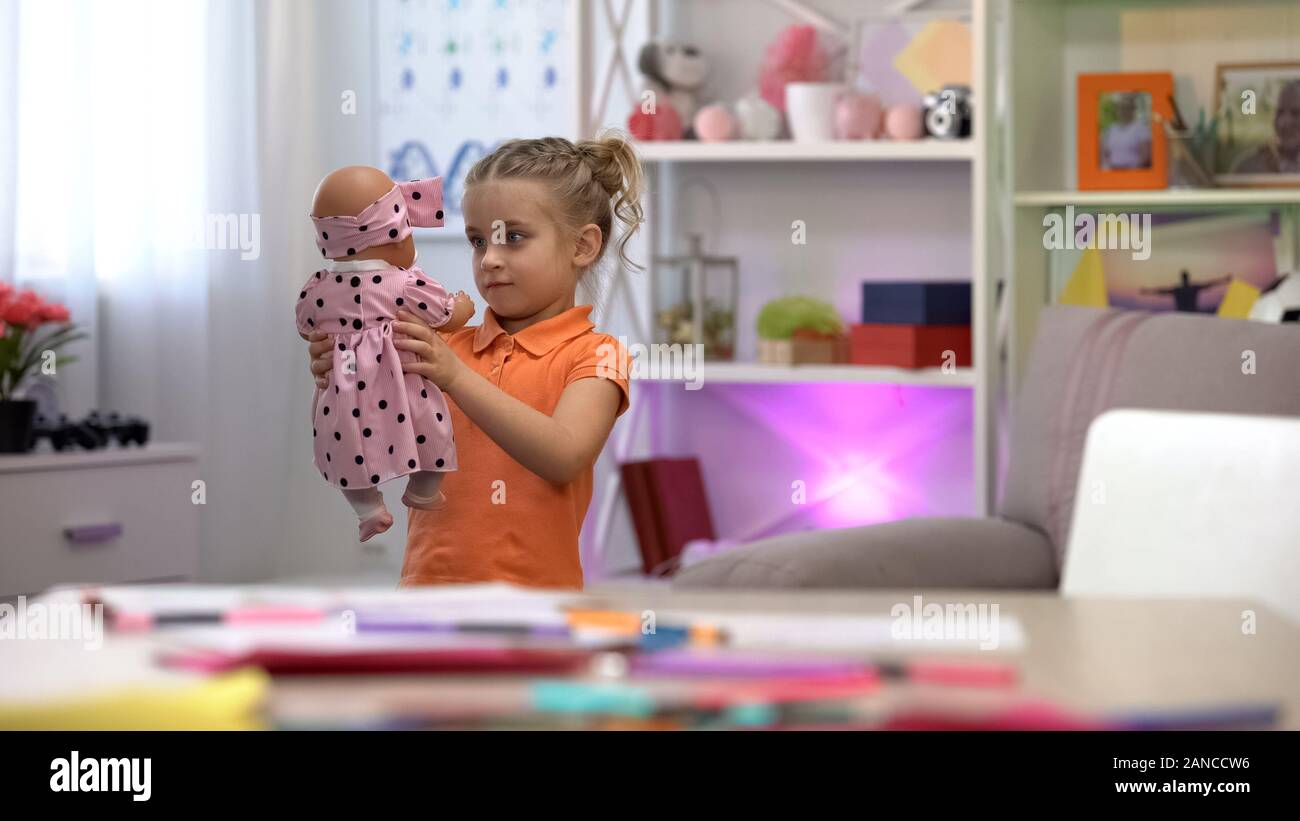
{"points": [[538, 339]]}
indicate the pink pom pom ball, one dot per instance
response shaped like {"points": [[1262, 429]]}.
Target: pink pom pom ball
{"points": [[858, 117], [664, 124], [715, 124], [903, 122]]}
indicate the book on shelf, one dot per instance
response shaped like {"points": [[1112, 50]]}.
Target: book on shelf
{"points": [[669, 508]]}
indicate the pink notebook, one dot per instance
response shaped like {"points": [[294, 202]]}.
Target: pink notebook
{"points": [[279, 661]]}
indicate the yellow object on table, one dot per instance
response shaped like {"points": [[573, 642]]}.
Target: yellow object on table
{"points": [[230, 701]]}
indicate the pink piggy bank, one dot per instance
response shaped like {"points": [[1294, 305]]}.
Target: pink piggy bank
{"points": [[858, 117]]}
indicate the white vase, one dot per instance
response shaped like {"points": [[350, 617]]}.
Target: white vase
{"points": [[810, 108]]}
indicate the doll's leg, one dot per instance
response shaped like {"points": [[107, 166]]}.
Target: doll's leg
{"points": [[422, 490], [372, 516]]}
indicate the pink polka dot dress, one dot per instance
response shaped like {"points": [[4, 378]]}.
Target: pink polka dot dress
{"points": [[372, 422]]}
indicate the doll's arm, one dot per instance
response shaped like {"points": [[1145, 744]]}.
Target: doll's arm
{"points": [[461, 312], [429, 301]]}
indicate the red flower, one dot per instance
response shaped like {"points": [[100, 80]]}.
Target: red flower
{"points": [[54, 312], [797, 55], [25, 310]]}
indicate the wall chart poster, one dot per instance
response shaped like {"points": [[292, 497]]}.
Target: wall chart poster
{"points": [[455, 78]]}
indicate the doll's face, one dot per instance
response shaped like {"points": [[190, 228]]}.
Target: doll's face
{"points": [[523, 261], [682, 66]]}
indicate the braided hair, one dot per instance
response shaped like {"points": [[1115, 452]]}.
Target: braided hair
{"points": [[592, 182]]}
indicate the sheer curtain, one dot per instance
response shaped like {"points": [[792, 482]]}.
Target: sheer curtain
{"points": [[134, 139]]}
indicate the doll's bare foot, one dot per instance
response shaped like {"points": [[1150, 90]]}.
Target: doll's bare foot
{"points": [[376, 523]]}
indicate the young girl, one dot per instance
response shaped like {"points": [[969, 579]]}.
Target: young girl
{"points": [[534, 390]]}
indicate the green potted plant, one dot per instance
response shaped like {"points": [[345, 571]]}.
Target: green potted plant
{"points": [[22, 350], [798, 330]]}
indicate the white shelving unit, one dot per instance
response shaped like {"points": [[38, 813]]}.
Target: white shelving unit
{"points": [[593, 89], [1026, 55], [1189, 198], [790, 151], [1041, 46]]}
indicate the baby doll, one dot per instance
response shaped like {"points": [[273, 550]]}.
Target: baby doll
{"points": [[372, 422]]}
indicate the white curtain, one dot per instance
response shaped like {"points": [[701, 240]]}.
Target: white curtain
{"points": [[153, 161]]}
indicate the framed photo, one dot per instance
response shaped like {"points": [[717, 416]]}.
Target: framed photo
{"points": [[1258, 138], [1121, 140], [1194, 257]]}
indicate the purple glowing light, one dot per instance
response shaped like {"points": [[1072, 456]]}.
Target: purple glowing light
{"points": [[863, 453]]}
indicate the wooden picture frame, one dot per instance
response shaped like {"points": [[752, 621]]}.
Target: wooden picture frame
{"points": [[1234, 150], [1121, 136]]}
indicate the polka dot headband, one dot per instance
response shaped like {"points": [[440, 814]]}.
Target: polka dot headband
{"points": [[389, 219]]}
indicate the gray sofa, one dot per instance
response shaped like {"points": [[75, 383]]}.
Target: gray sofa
{"points": [[1084, 361]]}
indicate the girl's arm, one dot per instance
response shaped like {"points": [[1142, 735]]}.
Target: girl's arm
{"points": [[556, 447]]}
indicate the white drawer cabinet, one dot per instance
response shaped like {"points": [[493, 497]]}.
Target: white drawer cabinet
{"points": [[116, 515]]}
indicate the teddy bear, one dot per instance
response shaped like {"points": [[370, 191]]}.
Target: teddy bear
{"points": [[676, 73]]}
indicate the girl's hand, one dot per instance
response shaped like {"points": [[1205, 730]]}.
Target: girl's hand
{"points": [[436, 361], [321, 350]]}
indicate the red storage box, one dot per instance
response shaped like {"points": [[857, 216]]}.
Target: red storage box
{"points": [[908, 346]]}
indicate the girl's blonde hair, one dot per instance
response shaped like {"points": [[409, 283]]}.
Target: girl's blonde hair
{"points": [[591, 181]]}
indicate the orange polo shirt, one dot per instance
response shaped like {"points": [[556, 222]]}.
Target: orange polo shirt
{"points": [[502, 522]]}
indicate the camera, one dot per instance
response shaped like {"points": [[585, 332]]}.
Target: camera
{"points": [[948, 112]]}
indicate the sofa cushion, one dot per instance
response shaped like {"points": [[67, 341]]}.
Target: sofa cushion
{"points": [[1089, 360], [947, 552]]}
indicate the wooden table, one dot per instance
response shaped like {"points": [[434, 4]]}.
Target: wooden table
{"points": [[1088, 654]]}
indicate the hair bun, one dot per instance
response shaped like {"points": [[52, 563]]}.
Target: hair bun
{"points": [[610, 159]]}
